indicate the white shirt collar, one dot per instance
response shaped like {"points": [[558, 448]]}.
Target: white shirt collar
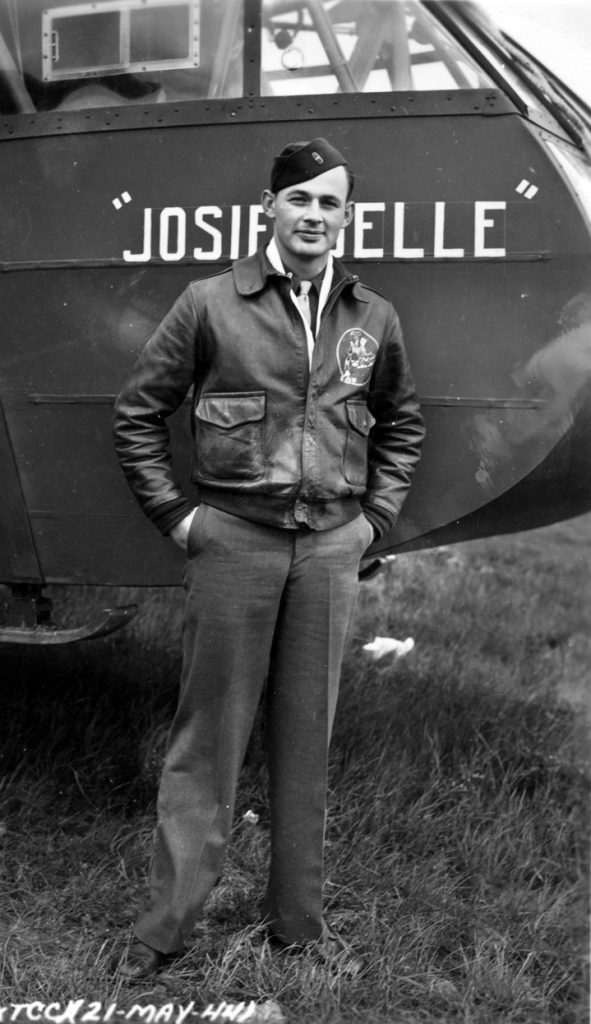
{"points": [[277, 263]]}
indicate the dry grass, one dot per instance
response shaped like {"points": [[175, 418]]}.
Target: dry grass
{"points": [[457, 830]]}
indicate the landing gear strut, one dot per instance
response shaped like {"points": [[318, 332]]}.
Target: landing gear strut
{"points": [[25, 618]]}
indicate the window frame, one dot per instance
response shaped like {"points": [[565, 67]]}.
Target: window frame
{"points": [[125, 9]]}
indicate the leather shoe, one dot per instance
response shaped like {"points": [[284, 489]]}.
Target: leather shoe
{"points": [[139, 961]]}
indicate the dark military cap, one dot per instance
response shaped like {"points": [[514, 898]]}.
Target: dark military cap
{"points": [[301, 161]]}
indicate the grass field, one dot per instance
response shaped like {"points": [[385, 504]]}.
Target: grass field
{"points": [[457, 834]]}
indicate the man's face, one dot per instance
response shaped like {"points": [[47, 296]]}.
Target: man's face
{"points": [[308, 216]]}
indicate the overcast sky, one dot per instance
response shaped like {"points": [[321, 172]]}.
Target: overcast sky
{"points": [[558, 32]]}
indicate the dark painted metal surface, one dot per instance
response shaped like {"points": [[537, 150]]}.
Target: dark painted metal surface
{"points": [[488, 102], [493, 285], [18, 558]]}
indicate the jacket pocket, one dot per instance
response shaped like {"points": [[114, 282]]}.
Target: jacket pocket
{"points": [[359, 423], [229, 429]]}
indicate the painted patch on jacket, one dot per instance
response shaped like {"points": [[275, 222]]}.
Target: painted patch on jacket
{"points": [[356, 354]]}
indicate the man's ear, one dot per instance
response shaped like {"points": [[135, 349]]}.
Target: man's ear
{"points": [[349, 211], [268, 202]]}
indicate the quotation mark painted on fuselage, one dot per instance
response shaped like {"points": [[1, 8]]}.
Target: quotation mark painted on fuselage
{"points": [[118, 202], [525, 189]]}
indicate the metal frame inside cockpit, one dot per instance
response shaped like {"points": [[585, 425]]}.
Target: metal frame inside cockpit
{"points": [[382, 42]]}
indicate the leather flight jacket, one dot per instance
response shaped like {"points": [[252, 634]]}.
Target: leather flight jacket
{"points": [[276, 440]]}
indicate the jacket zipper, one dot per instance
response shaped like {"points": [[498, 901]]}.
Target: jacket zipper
{"points": [[332, 297]]}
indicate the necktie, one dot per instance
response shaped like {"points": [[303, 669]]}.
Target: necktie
{"points": [[303, 298]]}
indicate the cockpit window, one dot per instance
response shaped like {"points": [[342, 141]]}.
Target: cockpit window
{"points": [[118, 53], [363, 46], [106, 53]]}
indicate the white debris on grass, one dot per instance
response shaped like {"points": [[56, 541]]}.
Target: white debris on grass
{"points": [[383, 645], [250, 817], [269, 1012]]}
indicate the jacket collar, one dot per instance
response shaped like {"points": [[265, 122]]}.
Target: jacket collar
{"points": [[251, 274]]}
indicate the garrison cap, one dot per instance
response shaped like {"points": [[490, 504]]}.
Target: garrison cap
{"points": [[301, 161]]}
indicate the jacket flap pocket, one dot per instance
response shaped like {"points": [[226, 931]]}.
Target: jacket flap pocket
{"points": [[230, 410], [360, 417]]}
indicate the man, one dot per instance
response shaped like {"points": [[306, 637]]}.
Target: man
{"points": [[307, 431]]}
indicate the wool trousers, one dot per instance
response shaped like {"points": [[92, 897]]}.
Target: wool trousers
{"points": [[263, 604]]}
